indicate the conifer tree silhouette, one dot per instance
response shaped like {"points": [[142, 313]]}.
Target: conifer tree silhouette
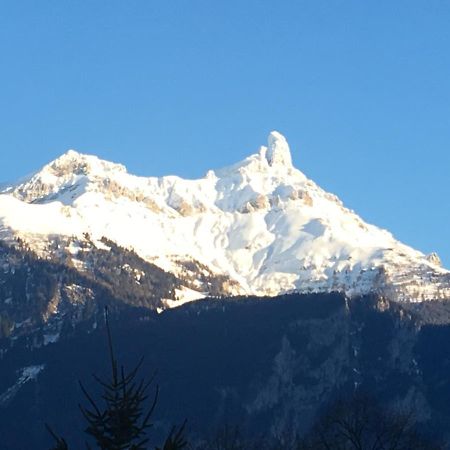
{"points": [[60, 443], [121, 422]]}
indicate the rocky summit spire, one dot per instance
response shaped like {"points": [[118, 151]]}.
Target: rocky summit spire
{"points": [[278, 153]]}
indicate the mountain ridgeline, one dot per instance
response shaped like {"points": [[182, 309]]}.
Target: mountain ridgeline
{"points": [[260, 226], [256, 295]]}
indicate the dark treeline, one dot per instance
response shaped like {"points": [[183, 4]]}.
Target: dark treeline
{"points": [[357, 422], [123, 417]]}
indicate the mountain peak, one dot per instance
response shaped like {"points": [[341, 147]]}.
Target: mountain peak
{"points": [[75, 163], [73, 154], [278, 152], [65, 172], [260, 223]]}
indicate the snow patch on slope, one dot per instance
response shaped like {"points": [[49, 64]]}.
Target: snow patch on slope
{"points": [[26, 374]]}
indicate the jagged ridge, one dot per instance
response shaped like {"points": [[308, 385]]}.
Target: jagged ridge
{"points": [[261, 224]]}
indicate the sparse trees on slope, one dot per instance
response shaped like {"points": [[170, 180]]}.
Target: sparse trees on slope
{"points": [[359, 423]]}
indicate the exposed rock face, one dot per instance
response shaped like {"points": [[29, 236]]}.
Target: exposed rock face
{"points": [[258, 203], [434, 259], [64, 173]]}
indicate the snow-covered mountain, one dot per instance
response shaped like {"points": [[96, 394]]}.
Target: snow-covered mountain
{"points": [[260, 224]]}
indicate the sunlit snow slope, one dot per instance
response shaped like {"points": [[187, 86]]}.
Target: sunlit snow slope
{"points": [[260, 222]]}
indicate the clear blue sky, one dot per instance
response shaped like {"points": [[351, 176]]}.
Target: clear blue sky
{"points": [[361, 89]]}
